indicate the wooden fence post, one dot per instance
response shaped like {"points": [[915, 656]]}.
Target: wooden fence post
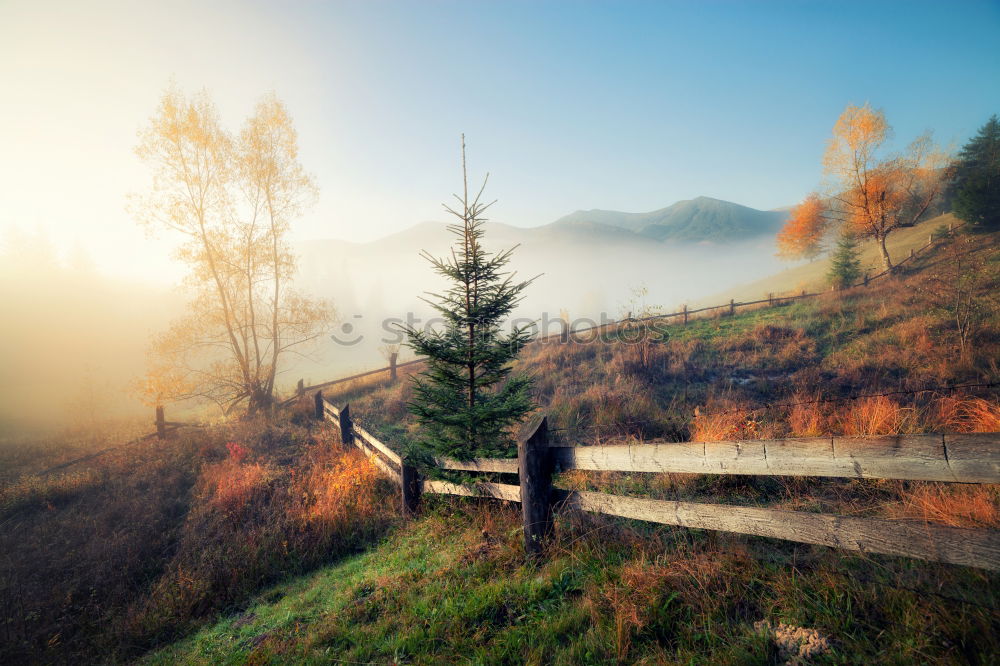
{"points": [[685, 314], [161, 423], [319, 413], [300, 388], [770, 299], [912, 253], [346, 427], [732, 307], [564, 333], [866, 278], [534, 465], [392, 367], [930, 238], [410, 489]]}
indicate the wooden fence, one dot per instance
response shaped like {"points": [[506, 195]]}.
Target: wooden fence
{"points": [[965, 458], [682, 316]]}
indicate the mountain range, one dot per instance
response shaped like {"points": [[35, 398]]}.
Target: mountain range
{"points": [[588, 262], [693, 220]]}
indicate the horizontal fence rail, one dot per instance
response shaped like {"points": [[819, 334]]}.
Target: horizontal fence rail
{"points": [[973, 458], [963, 458], [969, 547], [502, 491]]}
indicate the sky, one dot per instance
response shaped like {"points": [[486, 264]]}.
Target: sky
{"points": [[569, 105]]}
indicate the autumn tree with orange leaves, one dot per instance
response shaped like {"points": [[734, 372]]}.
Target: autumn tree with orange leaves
{"points": [[804, 230], [231, 199], [870, 192]]}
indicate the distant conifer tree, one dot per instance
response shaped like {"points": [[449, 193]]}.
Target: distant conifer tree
{"points": [[467, 400], [845, 266], [975, 187]]}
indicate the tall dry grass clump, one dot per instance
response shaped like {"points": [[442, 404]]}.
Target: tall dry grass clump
{"points": [[336, 489], [808, 417], [964, 414], [232, 484], [727, 420], [879, 415], [950, 504]]}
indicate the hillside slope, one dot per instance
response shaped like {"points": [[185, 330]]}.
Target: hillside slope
{"points": [[812, 276], [268, 543], [451, 588]]}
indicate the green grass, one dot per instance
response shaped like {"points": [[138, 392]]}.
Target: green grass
{"points": [[452, 588]]}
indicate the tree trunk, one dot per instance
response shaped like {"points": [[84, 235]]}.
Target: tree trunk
{"points": [[260, 402], [886, 260]]}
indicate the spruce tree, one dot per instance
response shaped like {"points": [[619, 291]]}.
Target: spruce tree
{"points": [[467, 400], [975, 186], [845, 266]]}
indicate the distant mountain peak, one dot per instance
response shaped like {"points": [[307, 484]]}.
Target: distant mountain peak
{"points": [[691, 220]]}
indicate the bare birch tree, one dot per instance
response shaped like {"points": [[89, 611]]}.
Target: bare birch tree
{"points": [[232, 200]]}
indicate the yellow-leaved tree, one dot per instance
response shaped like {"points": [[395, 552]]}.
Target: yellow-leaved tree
{"points": [[870, 192], [232, 200]]}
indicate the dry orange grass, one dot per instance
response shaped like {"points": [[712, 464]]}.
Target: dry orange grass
{"points": [[253, 520], [967, 415], [878, 415], [632, 601], [331, 491], [807, 418], [231, 485], [728, 422], [947, 504]]}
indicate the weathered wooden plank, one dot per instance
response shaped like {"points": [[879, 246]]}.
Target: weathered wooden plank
{"points": [[387, 468], [331, 409], [368, 449], [916, 457], [503, 491], [376, 458], [503, 465], [972, 458], [968, 547], [370, 439]]}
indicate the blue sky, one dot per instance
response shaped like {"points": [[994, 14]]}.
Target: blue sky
{"points": [[636, 105], [569, 105]]}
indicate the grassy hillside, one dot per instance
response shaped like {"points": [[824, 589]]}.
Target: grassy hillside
{"points": [[812, 276], [451, 588], [265, 542], [897, 335]]}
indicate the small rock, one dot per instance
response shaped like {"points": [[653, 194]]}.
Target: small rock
{"points": [[796, 645]]}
